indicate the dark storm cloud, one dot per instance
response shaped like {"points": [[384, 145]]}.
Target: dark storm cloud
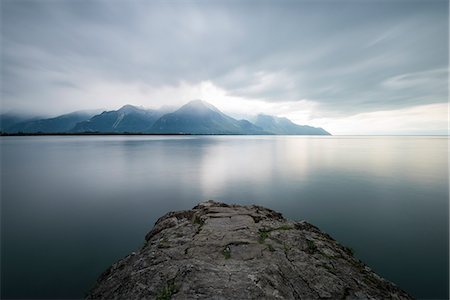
{"points": [[348, 56]]}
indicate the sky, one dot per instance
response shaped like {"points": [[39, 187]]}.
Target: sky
{"points": [[351, 67]]}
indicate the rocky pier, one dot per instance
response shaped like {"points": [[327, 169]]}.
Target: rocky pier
{"points": [[222, 251]]}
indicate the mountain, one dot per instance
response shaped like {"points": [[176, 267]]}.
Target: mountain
{"points": [[58, 124], [195, 117], [199, 117], [127, 119], [276, 125], [8, 120]]}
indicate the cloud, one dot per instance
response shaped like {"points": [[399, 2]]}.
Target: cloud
{"points": [[337, 56], [432, 79], [415, 120]]}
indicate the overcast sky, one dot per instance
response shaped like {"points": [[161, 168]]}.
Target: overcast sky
{"points": [[352, 67]]}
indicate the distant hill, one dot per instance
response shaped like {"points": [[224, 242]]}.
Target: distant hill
{"points": [[127, 119], [63, 123], [195, 117], [199, 117], [8, 120], [285, 126]]}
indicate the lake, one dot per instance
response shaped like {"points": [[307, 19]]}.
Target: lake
{"points": [[73, 205]]}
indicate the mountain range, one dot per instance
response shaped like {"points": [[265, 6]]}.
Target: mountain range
{"points": [[195, 117]]}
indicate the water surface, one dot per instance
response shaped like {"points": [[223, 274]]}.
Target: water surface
{"points": [[71, 206]]}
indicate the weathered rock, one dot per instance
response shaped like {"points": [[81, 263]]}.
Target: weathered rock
{"points": [[220, 251]]}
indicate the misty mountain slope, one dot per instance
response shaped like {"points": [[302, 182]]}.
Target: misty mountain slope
{"points": [[127, 119], [7, 120], [195, 117], [62, 123], [199, 117], [250, 128], [276, 125]]}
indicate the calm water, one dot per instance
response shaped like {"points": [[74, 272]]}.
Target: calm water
{"points": [[71, 206]]}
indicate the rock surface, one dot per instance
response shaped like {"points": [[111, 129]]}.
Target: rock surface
{"points": [[220, 251]]}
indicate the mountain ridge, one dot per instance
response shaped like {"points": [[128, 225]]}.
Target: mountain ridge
{"points": [[200, 117], [128, 118], [194, 117], [282, 125], [62, 123]]}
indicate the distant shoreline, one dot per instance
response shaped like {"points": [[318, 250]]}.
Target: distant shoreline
{"points": [[84, 133], [114, 133], [196, 134]]}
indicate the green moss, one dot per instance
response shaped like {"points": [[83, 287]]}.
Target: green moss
{"points": [[311, 246], [167, 292], [284, 227], [325, 255], [263, 235], [329, 268], [164, 243], [226, 252], [271, 248], [198, 221]]}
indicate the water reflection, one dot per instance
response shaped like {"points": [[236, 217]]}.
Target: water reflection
{"points": [[73, 205]]}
